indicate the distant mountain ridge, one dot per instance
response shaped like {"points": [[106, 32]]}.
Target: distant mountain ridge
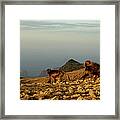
{"points": [[69, 66]]}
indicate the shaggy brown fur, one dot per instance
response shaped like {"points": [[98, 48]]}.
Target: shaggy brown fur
{"points": [[55, 75], [91, 69]]}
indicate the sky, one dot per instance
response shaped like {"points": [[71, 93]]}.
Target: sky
{"points": [[50, 43]]}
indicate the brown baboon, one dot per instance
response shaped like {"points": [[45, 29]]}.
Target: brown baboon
{"points": [[91, 68], [55, 75], [88, 65]]}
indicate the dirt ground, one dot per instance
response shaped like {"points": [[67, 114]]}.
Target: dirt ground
{"points": [[70, 87]]}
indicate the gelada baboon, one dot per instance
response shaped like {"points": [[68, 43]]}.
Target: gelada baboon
{"points": [[91, 68], [55, 75], [88, 65]]}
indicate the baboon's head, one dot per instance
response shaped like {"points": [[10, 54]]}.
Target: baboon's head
{"points": [[48, 70], [87, 63]]}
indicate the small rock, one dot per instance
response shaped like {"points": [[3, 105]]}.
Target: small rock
{"points": [[71, 90], [91, 93], [67, 83], [75, 95], [41, 92], [66, 97], [79, 87], [67, 93], [92, 81], [79, 98], [54, 83], [26, 97], [40, 98], [87, 90], [64, 89], [58, 93], [83, 95], [79, 91], [55, 98], [81, 81]]}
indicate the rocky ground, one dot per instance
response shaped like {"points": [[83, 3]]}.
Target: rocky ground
{"points": [[68, 89]]}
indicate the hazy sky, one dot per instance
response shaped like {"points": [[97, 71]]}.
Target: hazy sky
{"points": [[49, 44]]}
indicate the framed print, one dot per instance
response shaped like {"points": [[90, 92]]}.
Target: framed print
{"points": [[60, 60]]}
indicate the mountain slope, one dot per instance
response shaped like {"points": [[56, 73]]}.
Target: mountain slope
{"points": [[71, 65]]}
